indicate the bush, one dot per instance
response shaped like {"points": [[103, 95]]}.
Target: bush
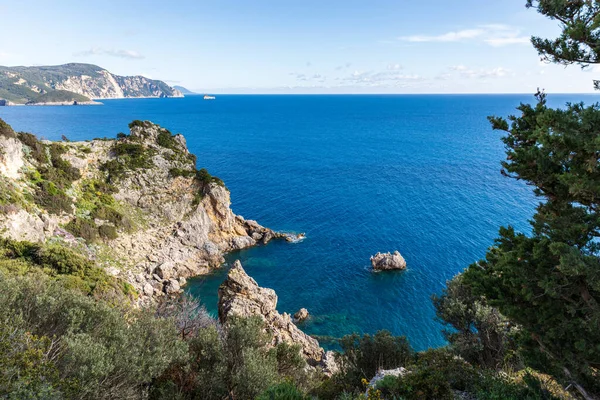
{"points": [[108, 232], [83, 228], [175, 172], [283, 391], [108, 352], [137, 122], [129, 157], [51, 198], [37, 149], [166, 140], [363, 356], [228, 362], [6, 130]]}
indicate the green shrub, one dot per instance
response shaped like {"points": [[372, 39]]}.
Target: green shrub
{"points": [[283, 391], [6, 130], [51, 198], [83, 228], [121, 135], [363, 356], [166, 140], [175, 172], [109, 352], [62, 259], [108, 232], [139, 123], [129, 157], [37, 149]]}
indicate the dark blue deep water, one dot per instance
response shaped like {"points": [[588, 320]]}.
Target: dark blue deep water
{"points": [[358, 174]]}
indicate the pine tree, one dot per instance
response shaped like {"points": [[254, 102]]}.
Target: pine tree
{"points": [[549, 281]]}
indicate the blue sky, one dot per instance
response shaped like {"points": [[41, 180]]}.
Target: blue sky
{"points": [[308, 46]]}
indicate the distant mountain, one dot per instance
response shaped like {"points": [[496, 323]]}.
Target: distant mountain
{"points": [[22, 85], [183, 90]]}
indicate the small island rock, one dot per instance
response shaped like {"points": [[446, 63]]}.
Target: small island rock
{"points": [[301, 315], [388, 261]]}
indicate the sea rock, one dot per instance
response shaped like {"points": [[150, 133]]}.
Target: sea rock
{"points": [[388, 261], [241, 296], [301, 315]]}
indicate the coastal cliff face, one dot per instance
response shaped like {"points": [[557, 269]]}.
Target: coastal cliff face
{"points": [[241, 296], [136, 206], [21, 85]]}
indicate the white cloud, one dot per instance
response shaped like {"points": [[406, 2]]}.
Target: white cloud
{"points": [[495, 35], [446, 37], [394, 67], [465, 72], [389, 77], [97, 51]]}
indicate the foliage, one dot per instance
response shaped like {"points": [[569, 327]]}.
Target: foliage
{"points": [[138, 123], [61, 263], [549, 283], [283, 391], [479, 333], [166, 140], [6, 130], [59, 96], [579, 40], [186, 173], [26, 368], [231, 361], [108, 232], [129, 156], [107, 352], [83, 228], [363, 356]]}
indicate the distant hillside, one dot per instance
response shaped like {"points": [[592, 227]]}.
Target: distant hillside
{"points": [[26, 84], [59, 96], [183, 90]]}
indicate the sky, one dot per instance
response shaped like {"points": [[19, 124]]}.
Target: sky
{"points": [[308, 46]]}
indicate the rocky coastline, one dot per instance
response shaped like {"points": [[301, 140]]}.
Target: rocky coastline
{"points": [[173, 221]]}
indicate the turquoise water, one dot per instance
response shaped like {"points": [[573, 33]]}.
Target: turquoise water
{"points": [[358, 174]]}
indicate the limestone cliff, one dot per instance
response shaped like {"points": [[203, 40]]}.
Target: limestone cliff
{"points": [[23, 85], [136, 205], [241, 296]]}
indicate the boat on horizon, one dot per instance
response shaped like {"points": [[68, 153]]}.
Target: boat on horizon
{"points": [[207, 97]]}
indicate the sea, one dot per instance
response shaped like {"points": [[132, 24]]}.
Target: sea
{"points": [[358, 174]]}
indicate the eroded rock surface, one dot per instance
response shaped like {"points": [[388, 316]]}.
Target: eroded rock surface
{"points": [[180, 225], [388, 261], [241, 296]]}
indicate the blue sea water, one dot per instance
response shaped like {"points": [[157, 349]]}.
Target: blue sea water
{"points": [[358, 175]]}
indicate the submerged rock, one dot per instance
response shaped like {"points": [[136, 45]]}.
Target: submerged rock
{"points": [[241, 296], [388, 261]]}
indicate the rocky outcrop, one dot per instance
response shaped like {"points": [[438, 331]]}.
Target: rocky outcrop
{"points": [[382, 373], [388, 261], [11, 157], [178, 226], [301, 315], [241, 296]]}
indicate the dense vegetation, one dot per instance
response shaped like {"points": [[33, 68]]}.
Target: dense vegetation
{"points": [[59, 96]]}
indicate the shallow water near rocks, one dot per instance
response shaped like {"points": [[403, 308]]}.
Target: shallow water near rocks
{"points": [[358, 174]]}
